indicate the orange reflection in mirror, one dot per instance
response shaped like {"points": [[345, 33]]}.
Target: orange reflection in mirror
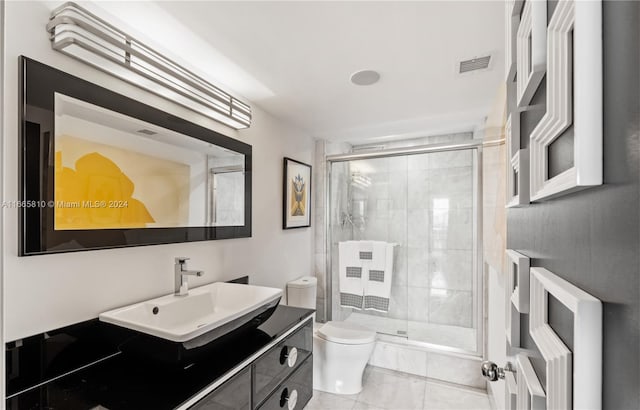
{"points": [[96, 195]]}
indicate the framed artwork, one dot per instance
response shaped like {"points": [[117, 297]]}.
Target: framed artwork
{"points": [[296, 203], [574, 378], [566, 145]]}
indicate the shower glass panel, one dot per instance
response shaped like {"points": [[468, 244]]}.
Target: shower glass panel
{"points": [[369, 202], [428, 205]]}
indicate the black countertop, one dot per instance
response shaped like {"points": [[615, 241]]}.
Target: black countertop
{"points": [[125, 381]]}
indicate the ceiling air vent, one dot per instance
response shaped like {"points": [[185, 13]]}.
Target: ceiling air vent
{"points": [[479, 63], [146, 132]]}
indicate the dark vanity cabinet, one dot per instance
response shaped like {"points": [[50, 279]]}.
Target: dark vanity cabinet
{"points": [[281, 378], [294, 392], [233, 394], [272, 368], [81, 368]]}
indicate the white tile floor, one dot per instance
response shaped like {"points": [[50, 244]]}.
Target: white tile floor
{"points": [[388, 390]]}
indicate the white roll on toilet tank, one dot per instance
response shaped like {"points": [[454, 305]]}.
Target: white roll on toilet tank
{"points": [[302, 292]]}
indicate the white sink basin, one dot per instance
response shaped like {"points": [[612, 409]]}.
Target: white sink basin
{"points": [[183, 318]]}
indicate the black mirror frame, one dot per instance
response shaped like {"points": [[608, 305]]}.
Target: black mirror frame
{"points": [[38, 85]]}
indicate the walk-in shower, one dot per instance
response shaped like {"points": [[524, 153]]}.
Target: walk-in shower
{"points": [[427, 200]]}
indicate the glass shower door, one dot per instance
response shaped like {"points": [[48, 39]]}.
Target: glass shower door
{"points": [[442, 244], [428, 205], [368, 203]]}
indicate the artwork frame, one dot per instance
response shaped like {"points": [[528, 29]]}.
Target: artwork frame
{"points": [[518, 289], [512, 21], [531, 395], [518, 164], [574, 98], [574, 379], [296, 213], [517, 298], [531, 50], [515, 7], [510, 391]]}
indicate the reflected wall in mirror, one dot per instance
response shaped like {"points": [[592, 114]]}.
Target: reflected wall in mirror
{"points": [[115, 171], [107, 171]]}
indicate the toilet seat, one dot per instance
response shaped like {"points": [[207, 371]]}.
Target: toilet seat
{"points": [[346, 333]]}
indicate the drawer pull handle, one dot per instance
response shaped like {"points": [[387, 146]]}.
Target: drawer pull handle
{"points": [[290, 399], [289, 355]]}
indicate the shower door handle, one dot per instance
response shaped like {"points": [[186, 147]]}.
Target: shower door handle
{"points": [[492, 372]]}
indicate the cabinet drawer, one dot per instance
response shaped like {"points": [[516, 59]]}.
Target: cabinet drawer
{"points": [[231, 395], [294, 393], [279, 362]]}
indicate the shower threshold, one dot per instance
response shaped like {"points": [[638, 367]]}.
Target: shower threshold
{"points": [[457, 337]]}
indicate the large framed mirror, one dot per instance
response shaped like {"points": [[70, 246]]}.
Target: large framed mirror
{"points": [[101, 170]]}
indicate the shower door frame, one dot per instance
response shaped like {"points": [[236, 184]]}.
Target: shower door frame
{"points": [[478, 276]]}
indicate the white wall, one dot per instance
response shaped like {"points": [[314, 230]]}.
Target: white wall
{"points": [[50, 291], [494, 240], [496, 348], [2, 381]]}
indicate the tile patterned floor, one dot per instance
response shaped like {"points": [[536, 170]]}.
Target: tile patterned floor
{"points": [[388, 390]]}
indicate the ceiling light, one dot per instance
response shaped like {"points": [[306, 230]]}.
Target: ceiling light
{"points": [[82, 35], [365, 77]]}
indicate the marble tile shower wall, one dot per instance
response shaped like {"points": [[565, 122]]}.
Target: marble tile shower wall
{"points": [[340, 230], [379, 208], [320, 191], [440, 238], [319, 226], [425, 204]]}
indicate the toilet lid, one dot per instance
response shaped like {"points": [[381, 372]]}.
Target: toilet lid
{"points": [[346, 333]]}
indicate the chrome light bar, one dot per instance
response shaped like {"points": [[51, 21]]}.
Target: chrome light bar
{"points": [[80, 34]]}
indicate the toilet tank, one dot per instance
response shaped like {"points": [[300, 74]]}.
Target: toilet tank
{"points": [[302, 292]]}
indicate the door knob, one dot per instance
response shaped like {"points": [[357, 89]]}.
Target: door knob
{"points": [[492, 372]]}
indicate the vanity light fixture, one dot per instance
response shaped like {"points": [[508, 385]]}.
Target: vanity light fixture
{"points": [[82, 35]]}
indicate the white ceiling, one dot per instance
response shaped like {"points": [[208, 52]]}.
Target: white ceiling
{"points": [[294, 60]]}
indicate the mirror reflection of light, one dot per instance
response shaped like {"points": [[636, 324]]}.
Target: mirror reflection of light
{"points": [[362, 167], [440, 224], [438, 285], [360, 180], [439, 281], [438, 292]]}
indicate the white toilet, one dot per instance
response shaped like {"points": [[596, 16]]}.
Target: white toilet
{"points": [[341, 350]]}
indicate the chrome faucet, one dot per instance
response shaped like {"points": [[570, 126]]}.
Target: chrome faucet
{"points": [[181, 284]]}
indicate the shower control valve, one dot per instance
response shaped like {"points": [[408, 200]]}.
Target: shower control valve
{"points": [[492, 372]]}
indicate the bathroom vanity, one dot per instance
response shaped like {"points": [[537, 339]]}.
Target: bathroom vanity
{"points": [[83, 367]]}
